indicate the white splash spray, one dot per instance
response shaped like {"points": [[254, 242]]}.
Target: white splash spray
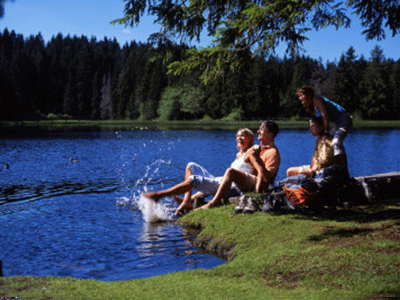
{"points": [[154, 212]]}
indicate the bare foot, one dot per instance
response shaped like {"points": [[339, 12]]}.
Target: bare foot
{"points": [[153, 196], [182, 207], [208, 205], [178, 199]]}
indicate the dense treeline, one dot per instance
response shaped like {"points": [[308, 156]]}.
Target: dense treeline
{"points": [[81, 78]]}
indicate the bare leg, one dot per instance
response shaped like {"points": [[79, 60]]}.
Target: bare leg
{"points": [[179, 200], [186, 203], [187, 199], [292, 171], [231, 175], [178, 189]]}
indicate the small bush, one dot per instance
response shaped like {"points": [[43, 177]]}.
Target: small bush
{"points": [[52, 116], [236, 115], [206, 118]]}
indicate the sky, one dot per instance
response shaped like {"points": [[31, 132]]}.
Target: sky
{"points": [[91, 18]]}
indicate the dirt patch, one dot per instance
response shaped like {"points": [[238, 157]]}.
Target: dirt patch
{"points": [[284, 280], [350, 237], [382, 296]]}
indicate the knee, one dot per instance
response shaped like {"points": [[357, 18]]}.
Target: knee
{"points": [[189, 181], [231, 173], [291, 172], [189, 166]]}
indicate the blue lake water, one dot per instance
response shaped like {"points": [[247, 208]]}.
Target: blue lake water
{"points": [[87, 219]]}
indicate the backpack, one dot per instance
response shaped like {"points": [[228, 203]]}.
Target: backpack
{"points": [[300, 190], [331, 182]]}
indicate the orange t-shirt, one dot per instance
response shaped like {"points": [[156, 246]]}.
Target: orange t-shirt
{"points": [[271, 158]]}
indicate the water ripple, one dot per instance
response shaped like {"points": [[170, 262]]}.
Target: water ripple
{"points": [[23, 192]]}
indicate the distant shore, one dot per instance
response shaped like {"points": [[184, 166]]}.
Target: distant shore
{"points": [[22, 128]]}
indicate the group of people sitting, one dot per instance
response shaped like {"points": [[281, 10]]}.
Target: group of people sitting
{"points": [[256, 166]]}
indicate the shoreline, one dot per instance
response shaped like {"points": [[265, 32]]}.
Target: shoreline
{"points": [[43, 128]]}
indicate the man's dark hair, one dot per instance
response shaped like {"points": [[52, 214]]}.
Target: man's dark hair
{"points": [[307, 91], [271, 127]]}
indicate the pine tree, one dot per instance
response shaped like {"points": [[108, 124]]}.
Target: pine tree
{"points": [[376, 104], [345, 89]]}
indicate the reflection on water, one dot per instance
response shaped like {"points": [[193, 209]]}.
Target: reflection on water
{"points": [[89, 220]]}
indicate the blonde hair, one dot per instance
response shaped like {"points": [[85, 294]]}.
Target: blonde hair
{"points": [[248, 133]]}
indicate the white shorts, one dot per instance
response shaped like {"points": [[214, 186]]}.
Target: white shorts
{"points": [[205, 182]]}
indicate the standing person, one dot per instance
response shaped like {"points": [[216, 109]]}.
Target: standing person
{"points": [[196, 177], [265, 159], [330, 112], [323, 153]]}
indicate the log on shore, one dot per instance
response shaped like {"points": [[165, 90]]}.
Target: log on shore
{"points": [[380, 186]]}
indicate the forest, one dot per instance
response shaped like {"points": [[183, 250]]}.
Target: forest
{"points": [[89, 79]]}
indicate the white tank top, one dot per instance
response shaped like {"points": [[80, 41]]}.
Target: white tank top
{"points": [[240, 165]]}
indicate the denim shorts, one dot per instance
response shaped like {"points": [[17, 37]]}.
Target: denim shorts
{"points": [[343, 126]]}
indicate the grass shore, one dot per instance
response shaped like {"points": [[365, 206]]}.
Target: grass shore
{"points": [[25, 128], [338, 254]]}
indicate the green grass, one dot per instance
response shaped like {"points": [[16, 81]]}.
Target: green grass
{"points": [[338, 254]]}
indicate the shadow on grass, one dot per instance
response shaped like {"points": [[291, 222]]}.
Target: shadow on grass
{"points": [[339, 233], [384, 210]]}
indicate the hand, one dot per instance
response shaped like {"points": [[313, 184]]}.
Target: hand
{"points": [[255, 150], [326, 136]]}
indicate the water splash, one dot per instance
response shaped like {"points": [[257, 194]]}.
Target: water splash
{"points": [[154, 212], [151, 212]]}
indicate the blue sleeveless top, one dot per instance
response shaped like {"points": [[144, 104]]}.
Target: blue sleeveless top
{"points": [[333, 110]]}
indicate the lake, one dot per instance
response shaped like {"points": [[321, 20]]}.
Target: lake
{"points": [[87, 219]]}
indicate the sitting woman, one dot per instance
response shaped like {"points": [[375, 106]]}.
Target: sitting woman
{"points": [[196, 177], [323, 154]]}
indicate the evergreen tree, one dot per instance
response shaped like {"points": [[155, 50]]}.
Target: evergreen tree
{"points": [[395, 88], [303, 68], [322, 77], [82, 79], [267, 84], [345, 89], [56, 51], [376, 104]]}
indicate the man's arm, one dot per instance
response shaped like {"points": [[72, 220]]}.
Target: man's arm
{"points": [[321, 107], [264, 176]]}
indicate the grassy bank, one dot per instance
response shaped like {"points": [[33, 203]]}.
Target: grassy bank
{"points": [[342, 254], [31, 127]]}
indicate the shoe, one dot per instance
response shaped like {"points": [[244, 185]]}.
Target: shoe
{"points": [[267, 205], [242, 203], [251, 207], [279, 199]]}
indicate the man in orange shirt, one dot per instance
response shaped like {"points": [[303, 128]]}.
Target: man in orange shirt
{"points": [[264, 157]]}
